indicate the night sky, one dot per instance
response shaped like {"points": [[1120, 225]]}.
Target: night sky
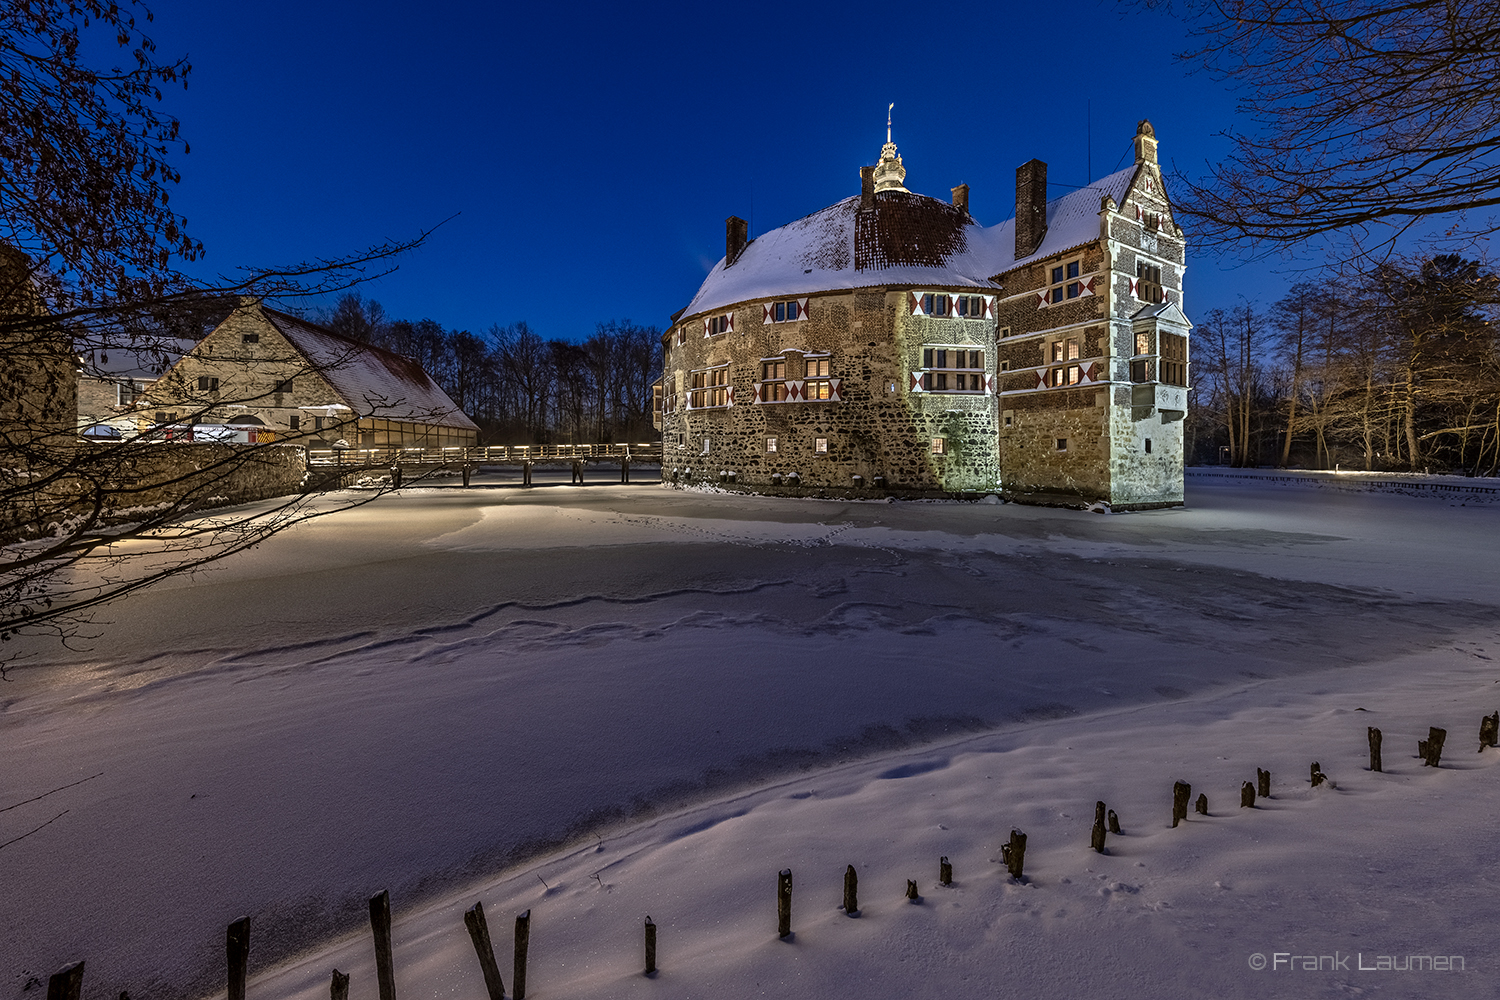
{"points": [[589, 154]]}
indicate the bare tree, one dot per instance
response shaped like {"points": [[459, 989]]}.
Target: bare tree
{"points": [[90, 264], [1364, 116]]}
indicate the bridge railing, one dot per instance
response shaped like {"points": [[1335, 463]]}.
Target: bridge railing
{"points": [[649, 451]]}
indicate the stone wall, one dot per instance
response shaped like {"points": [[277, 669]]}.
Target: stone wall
{"points": [[205, 475], [880, 428]]}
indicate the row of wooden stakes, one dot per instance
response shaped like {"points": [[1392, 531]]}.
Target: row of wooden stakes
{"points": [[68, 983]]}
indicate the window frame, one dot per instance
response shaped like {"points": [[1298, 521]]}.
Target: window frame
{"points": [[937, 371], [1067, 287], [708, 388]]}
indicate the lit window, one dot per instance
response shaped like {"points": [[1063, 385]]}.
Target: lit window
{"points": [[939, 446], [773, 381], [707, 446], [817, 386], [770, 446], [820, 446], [1064, 281], [709, 387]]}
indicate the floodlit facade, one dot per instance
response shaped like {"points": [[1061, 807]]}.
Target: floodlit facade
{"points": [[281, 378], [889, 342]]}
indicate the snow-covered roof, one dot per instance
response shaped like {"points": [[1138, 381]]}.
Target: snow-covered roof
{"points": [[146, 360], [911, 240], [371, 380]]}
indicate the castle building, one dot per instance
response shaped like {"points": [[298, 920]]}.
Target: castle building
{"points": [[891, 343]]}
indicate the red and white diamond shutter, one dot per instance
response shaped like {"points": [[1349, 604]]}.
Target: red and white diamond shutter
{"points": [[989, 306], [766, 314], [836, 390], [914, 303], [794, 390], [916, 382]]}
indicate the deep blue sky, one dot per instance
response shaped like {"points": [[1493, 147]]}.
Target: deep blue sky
{"points": [[592, 152]]}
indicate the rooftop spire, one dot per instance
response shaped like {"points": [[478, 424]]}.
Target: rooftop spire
{"points": [[889, 172]]}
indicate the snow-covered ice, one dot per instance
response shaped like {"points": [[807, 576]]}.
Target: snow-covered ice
{"points": [[604, 702]]}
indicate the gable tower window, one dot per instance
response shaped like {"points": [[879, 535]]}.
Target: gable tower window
{"points": [[1147, 282]]}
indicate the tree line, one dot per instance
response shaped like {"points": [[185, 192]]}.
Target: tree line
{"points": [[1394, 368], [518, 387]]}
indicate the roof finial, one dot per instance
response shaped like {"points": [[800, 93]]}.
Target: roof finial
{"points": [[889, 173]]}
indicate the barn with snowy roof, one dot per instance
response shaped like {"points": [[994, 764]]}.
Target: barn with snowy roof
{"points": [[892, 343], [285, 379]]}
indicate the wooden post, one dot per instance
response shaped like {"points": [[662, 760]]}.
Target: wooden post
{"points": [[1373, 735], [468, 470], [1431, 749], [479, 933], [1181, 792], [1263, 783], [784, 902], [1096, 838], [523, 942], [1489, 731], [66, 983], [1247, 796], [945, 871], [911, 891], [339, 988], [1114, 822], [380, 923], [851, 892], [525, 473], [1014, 853], [396, 477], [237, 952], [650, 946], [1317, 777], [624, 468], [1201, 806]]}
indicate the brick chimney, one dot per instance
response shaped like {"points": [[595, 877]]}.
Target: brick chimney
{"points": [[736, 237], [961, 197], [1031, 207], [866, 189]]}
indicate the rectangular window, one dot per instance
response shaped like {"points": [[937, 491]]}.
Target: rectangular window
{"points": [[1008, 417], [250, 338], [1004, 331], [682, 335], [1148, 446], [707, 446], [971, 306], [1174, 359], [952, 369], [1064, 281], [283, 386], [939, 446], [773, 381], [720, 324], [820, 446], [709, 388], [770, 446], [318, 421], [1062, 444], [294, 422], [1147, 284]]}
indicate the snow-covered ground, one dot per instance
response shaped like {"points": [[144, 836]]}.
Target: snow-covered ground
{"points": [[501, 694]]}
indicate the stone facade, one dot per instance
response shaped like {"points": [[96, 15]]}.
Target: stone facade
{"points": [[889, 343], [293, 381]]}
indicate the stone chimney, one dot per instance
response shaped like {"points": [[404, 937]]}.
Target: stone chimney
{"points": [[736, 238], [866, 189], [1145, 142], [961, 197], [1031, 207]]}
